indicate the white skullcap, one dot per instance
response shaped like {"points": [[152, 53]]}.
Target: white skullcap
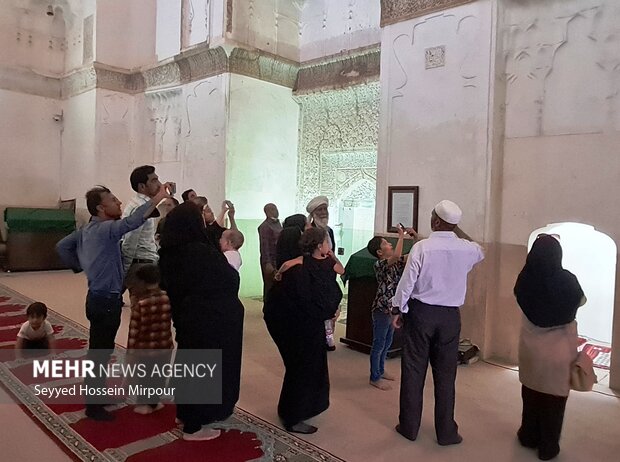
{"points": [[316, 203], [449, 212]]}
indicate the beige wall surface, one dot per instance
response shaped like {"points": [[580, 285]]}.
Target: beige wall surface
{"points": [[261, 147], [434, 119], [518, 123], [433, 126], [126, 33], [562, 130], [78, 169], [269, 25], [30, 149], [328, 27]]}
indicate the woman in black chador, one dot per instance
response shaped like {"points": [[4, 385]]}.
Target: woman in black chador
{"points": [[549, 297], [206, 311], [295, 311]]}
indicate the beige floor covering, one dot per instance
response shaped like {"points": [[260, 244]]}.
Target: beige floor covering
{"points": [[359, 425]]}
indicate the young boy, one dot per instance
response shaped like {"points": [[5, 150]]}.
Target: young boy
{"points": [[230, 243], [149, 329], [37, 332], [388, 270]]}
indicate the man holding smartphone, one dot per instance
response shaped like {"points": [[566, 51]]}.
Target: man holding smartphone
{"points": [[94, 249], [426, 305], [139, 247]]}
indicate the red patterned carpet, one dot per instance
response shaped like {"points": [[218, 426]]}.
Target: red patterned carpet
{"points": [[132, 437]]}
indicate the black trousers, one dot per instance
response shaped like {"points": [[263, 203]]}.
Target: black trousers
{"points": [[104, 315], [431, 334], [541, 422], [267, 279]]}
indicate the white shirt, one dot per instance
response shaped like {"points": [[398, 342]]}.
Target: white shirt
{"points": [[139, 243], [436, 271], [27, 332], [234, 258]]}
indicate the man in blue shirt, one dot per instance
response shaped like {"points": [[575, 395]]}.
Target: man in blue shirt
{"points": [[95, 250]]}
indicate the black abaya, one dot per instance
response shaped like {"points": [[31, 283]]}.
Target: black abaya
{"points": [[203, 290], [295, 311]]}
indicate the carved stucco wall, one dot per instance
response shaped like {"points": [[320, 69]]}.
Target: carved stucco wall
{"points": [[338, 142], [393, 11], [163, 124], [181, 139], [578, 38], [561, 163], [562, 78]]}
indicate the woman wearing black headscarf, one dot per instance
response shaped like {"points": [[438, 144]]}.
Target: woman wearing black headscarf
{"points": [[295, 311], [203, 290], [287, 246], [549, 297]]}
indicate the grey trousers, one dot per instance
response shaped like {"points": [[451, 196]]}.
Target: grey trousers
{"points": [[431, 334]]}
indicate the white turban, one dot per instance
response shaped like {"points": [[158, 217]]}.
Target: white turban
{"points": [[449, 212], [316, 203]]}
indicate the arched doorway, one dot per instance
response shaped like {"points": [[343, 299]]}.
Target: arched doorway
{"points": [[591, 256]]}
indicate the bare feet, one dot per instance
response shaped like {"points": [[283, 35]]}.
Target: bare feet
{"points": [[145, 409], [388, 376], [381, 385], [204, 434]]}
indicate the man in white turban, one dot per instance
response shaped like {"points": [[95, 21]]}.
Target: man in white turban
{"points": [[426, 304], [319, 216]]}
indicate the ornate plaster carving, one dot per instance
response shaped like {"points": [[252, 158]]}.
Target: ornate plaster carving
{"points": [[202, 63], [196, 65], [263, 66], [334, 72], [117, 80], [338, 144], [393, 11], [162, 76], [164, 124], [540, 53], [78, 82], [340, 71], [435, 57]]}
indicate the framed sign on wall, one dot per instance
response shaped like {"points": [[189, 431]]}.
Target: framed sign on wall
{"points": [[402, 207]]}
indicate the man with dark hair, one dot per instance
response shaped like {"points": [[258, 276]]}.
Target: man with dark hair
{"points": [[95, 250], [426, 303], [268, 233], [139, 246], [189, 195]]}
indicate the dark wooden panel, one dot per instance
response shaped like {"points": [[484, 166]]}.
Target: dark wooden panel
{"points": [[33, 251], [359, 321]]}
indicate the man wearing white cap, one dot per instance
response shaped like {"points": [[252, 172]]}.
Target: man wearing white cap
{"points": [[426, 304], [319, 216]]}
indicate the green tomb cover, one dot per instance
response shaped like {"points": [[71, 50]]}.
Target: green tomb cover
{"points": [[38, 220], [361, 263]]}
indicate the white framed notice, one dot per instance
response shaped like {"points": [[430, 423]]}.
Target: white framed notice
{"points": [[402, 207]]}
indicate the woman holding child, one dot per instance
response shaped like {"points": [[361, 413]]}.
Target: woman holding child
{"points": [[295, 311], [206, 311]]}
